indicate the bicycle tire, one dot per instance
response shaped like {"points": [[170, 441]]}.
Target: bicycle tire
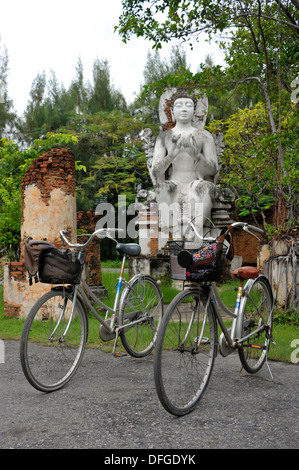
{"points": [[48, 361], [182, 368], [142, 301], [254, 350]]}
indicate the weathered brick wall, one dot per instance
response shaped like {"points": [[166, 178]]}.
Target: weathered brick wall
{"points": [[17, 274], [247, 246], [48, 197], [48, 200], [54, 169]]}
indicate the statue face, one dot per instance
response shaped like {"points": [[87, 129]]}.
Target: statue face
{"points": [[183, 109]]}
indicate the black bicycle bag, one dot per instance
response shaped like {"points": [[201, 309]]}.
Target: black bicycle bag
{"points": [[48, 264]]}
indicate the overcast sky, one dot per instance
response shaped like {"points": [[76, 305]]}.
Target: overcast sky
{"points": [[44, 36]]}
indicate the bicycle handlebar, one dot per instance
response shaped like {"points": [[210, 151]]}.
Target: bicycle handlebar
{"points": [[104, 231], [246, 227]]}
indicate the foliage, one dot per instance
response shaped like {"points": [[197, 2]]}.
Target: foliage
{"points": [[51, 105], [13, 165], [244, 160], [250, 161], [121, 174], [7, 115], [161, 21], [110, 148], [156, 68], [286, 317]]}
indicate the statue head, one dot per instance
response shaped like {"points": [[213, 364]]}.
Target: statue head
{"points": [[168, 98], [183, 110], [183, 93]]}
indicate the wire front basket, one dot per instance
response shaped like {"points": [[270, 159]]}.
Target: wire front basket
{"points": [[204, 263]]}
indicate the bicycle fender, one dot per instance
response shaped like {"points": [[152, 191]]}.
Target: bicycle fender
{"points": [[247, 287], [70, 289]]}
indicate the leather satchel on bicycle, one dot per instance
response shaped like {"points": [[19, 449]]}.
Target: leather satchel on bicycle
{"points": [[47, 264]]}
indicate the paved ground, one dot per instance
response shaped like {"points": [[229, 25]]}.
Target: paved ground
{"points": [[111, 403]]}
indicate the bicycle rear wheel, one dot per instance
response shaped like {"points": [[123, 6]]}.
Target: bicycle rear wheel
{"points": [[256, 313], [185, 352], [49, 359], [141, 309]]}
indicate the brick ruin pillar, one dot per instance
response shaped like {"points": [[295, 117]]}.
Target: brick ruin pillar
{"points": [[48, 195], [152, 259]]}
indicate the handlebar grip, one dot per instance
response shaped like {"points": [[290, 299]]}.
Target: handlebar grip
{"points": [[256, 229], [63, 233]]}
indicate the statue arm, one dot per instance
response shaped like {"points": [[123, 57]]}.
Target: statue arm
{"points": [[208, 163], [162, 158]]}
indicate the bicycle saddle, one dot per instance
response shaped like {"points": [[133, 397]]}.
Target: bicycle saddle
{"points": [[246, 272], [131, 249]]}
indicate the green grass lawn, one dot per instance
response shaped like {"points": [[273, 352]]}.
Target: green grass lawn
{"points": [[284, 334]]}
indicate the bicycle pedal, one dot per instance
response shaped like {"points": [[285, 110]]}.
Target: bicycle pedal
{"points": [[119, 354]]}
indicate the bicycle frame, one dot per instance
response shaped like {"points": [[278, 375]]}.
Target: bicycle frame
{"points": [[234, 337], [83, 288]]}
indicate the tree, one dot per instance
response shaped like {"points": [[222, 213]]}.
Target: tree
{"points": [[156, 68], [103, 97], [110, 148], [34, 116], [51, 105], [162, 21], [78, 92], [247, 161], [7, 115]]}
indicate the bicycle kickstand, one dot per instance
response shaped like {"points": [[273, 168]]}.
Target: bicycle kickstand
{"points": [[114, 352], [273, 342], [269, 369]]}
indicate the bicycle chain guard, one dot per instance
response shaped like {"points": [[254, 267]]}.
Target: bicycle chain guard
{"points": [[224, 347], [104, 334]]}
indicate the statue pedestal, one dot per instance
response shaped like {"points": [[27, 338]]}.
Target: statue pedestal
{"points": [[223, 208], [153, 240]]}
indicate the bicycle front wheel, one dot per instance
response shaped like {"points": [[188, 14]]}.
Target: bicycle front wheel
{"points": [[140, 314], [256, 316], [52, 345], [185, 352]]}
